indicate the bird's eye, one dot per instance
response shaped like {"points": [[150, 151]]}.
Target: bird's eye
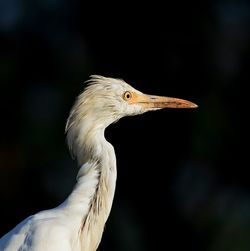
{"points": [[127, 95]]}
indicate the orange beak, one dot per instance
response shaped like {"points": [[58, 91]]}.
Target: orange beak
{"points": [[151, 101]]}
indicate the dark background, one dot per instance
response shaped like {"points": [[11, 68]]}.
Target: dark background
{"points": [[183, 179]]}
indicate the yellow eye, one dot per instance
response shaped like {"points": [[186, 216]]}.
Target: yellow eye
{"points": [[127, 95]]}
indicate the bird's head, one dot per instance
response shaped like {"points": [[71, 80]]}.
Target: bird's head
{"points": [[106, 100]]}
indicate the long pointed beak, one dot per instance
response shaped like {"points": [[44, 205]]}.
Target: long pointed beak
{"points": [[151, 101]]}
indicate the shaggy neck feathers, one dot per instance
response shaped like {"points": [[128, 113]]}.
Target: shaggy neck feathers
{"points": [[92, 197]]}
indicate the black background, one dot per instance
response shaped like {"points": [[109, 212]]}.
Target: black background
{"points": [[183, 179]]}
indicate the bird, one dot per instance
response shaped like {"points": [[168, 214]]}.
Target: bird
{"points": [[77, 224]]}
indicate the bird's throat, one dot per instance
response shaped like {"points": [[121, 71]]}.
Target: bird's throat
{"points": [[94, 191]]}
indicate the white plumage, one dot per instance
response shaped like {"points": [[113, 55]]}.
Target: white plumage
{"points": [[77, 224]]}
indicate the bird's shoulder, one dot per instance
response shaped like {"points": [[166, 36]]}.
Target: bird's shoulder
{"points": [[36, 230]]}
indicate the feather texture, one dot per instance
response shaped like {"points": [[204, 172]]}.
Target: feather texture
{"points": [[78, 223]]}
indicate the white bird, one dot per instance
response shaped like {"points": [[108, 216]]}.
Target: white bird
{"points": [[77, 224]]}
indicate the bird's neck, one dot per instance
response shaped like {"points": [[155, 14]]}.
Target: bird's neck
{"points": [[91, 200]]}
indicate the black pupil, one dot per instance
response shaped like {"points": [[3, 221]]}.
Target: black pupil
{"points": [[127, 95]]}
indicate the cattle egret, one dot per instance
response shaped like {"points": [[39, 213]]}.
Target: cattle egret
{"points": [[77, 224]]}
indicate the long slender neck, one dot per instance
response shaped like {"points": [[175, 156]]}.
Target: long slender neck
{"points": [[91, 199]]}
